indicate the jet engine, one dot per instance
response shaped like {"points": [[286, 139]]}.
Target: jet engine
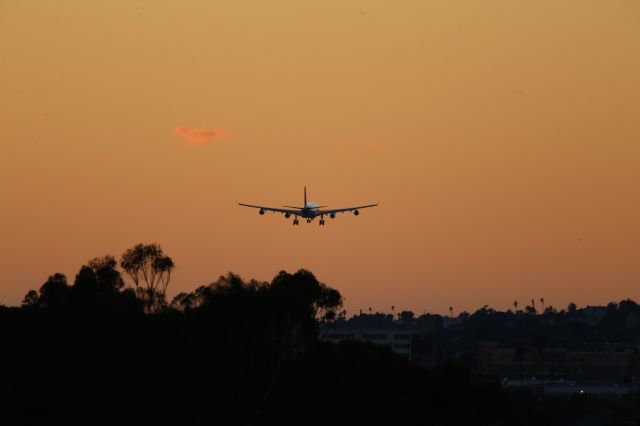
{"points": [[356, 212], [261, 211], [287, 215], [332, 215]]}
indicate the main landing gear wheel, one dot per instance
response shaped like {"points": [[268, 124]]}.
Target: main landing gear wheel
{"points": [[295, 222], [321, 222]]}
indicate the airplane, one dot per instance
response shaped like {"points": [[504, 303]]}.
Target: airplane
{"points": [[310, 211]]}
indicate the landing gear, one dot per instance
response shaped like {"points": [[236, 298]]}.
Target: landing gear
{"points": [[308, 220], [321, 220], [295, 222]]}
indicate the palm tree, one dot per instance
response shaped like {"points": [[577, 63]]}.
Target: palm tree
{"points": [[451, 311], [542, 303], [515, 305], [393, 309]]}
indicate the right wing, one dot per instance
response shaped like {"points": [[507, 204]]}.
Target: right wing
{"points": [[348, 209], [271, 209]]}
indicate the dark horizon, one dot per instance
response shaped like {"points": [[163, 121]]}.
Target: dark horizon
{"points": [[539, 304], [252, 352]]}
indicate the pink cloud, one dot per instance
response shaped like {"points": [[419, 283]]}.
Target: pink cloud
{"points": [[200, 137], [373, 146]]}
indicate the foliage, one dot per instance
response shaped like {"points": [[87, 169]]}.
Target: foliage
{"points": [[247, 352], [150, 270]]}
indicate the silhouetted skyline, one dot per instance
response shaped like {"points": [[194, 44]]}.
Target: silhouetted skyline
{"points": [[239, 351]]}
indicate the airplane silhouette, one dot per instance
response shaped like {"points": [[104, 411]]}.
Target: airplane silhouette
{"points": [[309, 211]]}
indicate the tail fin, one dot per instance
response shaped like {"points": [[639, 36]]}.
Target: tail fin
{"points": [[305, 196]]}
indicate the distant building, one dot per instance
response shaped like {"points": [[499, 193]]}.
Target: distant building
{"points": [[597, 364], [414, 340], [512, 348], [399, 340]]}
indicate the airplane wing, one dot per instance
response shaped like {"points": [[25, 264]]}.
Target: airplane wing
{"points": [[348, 209], [271, 209]]}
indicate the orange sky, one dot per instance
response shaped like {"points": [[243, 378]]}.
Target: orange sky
{"points": [[502, 139]]}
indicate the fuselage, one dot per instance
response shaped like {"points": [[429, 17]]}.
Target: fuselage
{"points": [[309, 212]]}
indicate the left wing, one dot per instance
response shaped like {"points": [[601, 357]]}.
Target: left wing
{"points": [[271, 209], [348, 209]]}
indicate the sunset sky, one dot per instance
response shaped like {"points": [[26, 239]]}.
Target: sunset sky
{"points": [[501, 139]]}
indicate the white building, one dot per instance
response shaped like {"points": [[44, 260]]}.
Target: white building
{"points": [[399, 340]]}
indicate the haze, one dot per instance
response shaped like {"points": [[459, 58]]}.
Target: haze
{"points": [[501, 139]]}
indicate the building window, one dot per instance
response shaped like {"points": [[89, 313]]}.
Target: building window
{"points": [[402, 337], [371, 336], [341, 336]]}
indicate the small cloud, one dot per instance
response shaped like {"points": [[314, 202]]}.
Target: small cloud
{"points": [[373, 146], [200, 137]]}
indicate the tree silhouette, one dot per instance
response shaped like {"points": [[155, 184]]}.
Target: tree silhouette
{"points": [[406, 316], [99, 285], [108, 277], [53, 293], [330, 299], [305, 295], [249, 352], [84, 292], [30, 299], [148, 266], [515, 305], [183, 301]]}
